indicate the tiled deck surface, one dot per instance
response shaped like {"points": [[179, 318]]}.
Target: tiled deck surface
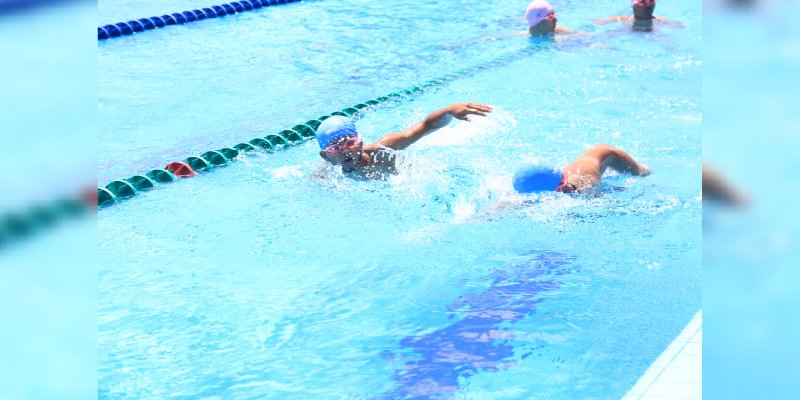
{"points": [[678, 372]]}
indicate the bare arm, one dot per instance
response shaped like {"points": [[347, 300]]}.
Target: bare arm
{"points": [[621, 161], [616, 159], [562, 31], [458, 45], [525, 33], [668, 22], [617, 18], [436, 120]]}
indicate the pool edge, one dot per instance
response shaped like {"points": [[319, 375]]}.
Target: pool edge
{"points": [[678, 372]]}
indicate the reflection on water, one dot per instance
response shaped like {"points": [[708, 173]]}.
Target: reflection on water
{"points": [[481, 340]]}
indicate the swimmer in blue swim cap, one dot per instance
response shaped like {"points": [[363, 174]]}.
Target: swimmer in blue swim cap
{"points": [[642, 18], [340, 143], [582, 176]]}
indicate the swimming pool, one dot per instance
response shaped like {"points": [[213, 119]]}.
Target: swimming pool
{"points": [[277, 277]]}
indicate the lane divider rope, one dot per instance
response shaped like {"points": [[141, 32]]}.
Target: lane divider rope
{"points": [[128, 28], [22, 224]]}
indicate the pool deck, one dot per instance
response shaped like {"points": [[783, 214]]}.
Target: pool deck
{"points": [[678, 372]]}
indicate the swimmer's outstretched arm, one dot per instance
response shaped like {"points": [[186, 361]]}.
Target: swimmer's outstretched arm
{"points": [[564, 32], [616, 18], [525, 33], [668, 22], [437, 119]]}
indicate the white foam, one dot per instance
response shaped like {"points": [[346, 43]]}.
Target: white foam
{"points": [[289, 171]]}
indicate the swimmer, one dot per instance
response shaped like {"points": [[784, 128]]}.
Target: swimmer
{"points": [[541, 23], [642, 17], [340, 144], [542, 19], [584, 175]]}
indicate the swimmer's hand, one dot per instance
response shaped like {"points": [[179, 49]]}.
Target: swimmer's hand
{"points": [[462, 111]]}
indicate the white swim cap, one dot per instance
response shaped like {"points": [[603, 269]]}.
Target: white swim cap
{"points": [[537, 11]]}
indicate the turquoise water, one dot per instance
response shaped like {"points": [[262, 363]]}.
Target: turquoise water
{"points": [[278, 277]]}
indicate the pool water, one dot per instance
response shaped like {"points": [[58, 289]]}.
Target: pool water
{"points": [[276, 276]]}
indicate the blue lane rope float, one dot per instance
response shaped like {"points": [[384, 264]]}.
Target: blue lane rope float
{"points": [[298, 134], [128, 28]]}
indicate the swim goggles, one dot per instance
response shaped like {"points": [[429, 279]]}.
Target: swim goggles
{"points": [[349, 144]]}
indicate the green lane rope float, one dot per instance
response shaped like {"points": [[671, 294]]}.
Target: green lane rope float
{"points": [[18, 225], [128, 28], [125, 188]]}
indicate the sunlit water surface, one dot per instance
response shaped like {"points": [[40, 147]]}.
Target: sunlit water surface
{"points": [[278, 277]]}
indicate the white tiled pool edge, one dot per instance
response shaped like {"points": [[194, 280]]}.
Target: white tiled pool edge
{"points": [[678, 372]]}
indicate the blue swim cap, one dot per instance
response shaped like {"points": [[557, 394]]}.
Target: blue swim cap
{"points": [[333, 128], [530, 178]]}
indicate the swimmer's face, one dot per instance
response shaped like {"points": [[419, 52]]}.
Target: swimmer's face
{"points": [[344, 151], [547, 25], [643, 9], [550, 22]]}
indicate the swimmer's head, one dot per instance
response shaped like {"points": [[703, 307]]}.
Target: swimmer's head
{"points": [[533, 178], [541, 18], [643, 9], [334, 128], [339, 142]]}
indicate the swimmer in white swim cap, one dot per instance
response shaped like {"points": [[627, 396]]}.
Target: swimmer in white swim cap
{"points": [[542, 20]]}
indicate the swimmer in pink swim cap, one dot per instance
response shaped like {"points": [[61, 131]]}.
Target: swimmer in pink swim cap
{"points": [[642, 18], [542, 19]]}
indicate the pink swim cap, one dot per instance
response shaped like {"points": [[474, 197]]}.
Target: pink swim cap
{"points": [[537, 11]]}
